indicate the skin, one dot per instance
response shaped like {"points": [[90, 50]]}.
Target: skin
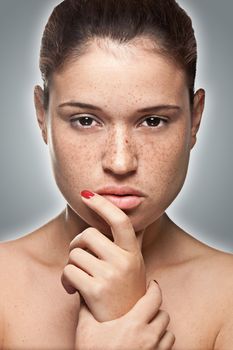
{"points": [[195, 283]]}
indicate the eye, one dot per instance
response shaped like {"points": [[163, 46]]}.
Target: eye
{"points": [[84, 122], [154, 122]]}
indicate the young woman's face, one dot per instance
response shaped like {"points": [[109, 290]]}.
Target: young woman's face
{"points": [[116, 143]]}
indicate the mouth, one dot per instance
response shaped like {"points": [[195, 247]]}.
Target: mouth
{"points": [[124, 201], [123, 197]]}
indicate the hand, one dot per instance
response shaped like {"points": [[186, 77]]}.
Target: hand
{"points": [[111, 275], [143, 327]]}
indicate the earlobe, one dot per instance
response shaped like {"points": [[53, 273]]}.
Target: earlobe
{"points": [[40, 111], [198, 107]]}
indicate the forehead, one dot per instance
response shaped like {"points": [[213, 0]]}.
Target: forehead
{"points": [[113, 72]]}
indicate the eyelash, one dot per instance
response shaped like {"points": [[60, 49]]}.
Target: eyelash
{"points": [[77, 119]]}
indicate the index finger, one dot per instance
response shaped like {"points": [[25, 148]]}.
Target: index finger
{"points": [[121, 226]]}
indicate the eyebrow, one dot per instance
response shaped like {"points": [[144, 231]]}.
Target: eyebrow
{"points": [[90, 106]]}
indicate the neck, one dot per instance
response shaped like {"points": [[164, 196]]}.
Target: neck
{"points": [[153, 240]]}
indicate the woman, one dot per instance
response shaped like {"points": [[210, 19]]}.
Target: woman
{"points": [[119, 115]]}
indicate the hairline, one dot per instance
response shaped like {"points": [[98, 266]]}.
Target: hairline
{"points": [[102, 42]]}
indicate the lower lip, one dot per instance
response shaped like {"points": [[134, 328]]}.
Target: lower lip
{"points": [[124, 202]]}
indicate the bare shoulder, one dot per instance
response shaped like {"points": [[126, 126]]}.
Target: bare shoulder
{"points": [[218, 265], [202, 287], [19, 257], [11, 276], [13, 264], [18, 264], [31, 249], [14, 252], [18, 271], [214, 269], [208, 277], [207, 263], [219, 271]]}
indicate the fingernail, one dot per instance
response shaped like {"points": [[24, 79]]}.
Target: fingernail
{"points": [[87, 194]]}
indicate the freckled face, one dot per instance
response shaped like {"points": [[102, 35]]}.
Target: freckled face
{"points": [[117, 144]]}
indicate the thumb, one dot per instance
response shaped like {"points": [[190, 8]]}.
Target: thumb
{"points": [[147, 307], [86, 325]]}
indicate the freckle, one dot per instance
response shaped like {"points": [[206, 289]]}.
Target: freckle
{"points": [[126, 141]]}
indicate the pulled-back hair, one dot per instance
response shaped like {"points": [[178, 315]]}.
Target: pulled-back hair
{"points": [[74, 24]]}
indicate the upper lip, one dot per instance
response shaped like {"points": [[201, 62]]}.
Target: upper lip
{"points": [[120, 191]]}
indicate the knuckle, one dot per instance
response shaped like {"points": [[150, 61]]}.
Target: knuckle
{"points": [[125, 266], [110, 274], [146, 342], [122, 219], [131, 263], [74, 254], [135, 326], [171, 337], [88, 233], [154, 338], [137, 262], [68, 270], [97, 291], [165, 316]]}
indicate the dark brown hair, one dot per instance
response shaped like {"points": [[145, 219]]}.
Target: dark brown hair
{"points": [[74, 24]]}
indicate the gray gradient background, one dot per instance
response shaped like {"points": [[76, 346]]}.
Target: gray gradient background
{"points": [[29, 196]]}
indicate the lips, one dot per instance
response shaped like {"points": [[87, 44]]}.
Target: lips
{"points": [[120, 191], [123, 197]]}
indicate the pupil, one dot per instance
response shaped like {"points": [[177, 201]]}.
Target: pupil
{"points": [[153, 121], [86, 121]]}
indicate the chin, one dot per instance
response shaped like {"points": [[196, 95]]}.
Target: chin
{"points": [[88, 218]]}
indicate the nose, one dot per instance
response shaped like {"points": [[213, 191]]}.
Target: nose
{"points": [[119, 156]]}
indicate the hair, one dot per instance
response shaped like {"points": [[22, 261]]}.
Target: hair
{"points": [[75, 24]]}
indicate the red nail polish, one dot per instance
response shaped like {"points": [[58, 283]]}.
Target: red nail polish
{"points": [[87, 194]]}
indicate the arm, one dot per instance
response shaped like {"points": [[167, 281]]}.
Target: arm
{"points": [[143, 327]]}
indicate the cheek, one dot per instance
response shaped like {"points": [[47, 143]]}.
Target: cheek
{"points": [[73, 160], [165, 167]]}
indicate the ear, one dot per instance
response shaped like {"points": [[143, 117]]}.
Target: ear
{"points": [[40, 111], [197, 111]]}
